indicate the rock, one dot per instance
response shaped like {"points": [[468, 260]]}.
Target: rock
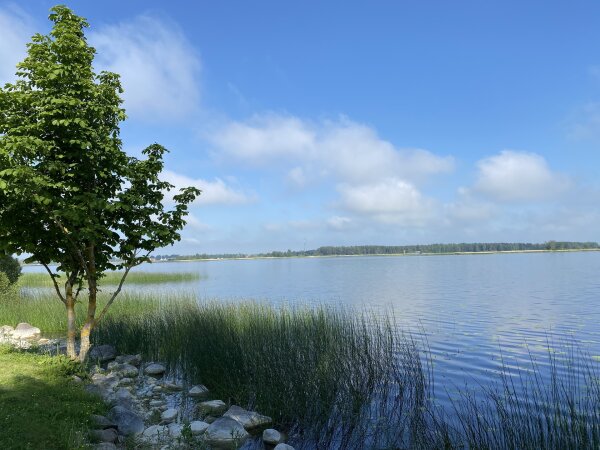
{"points": [[128, 370], [126, 381], [102, 422], [284, 447], [271, 436], [26, 332], [6, 330], [124, 398], [128, 422], [169, 415], [175, 429], [44, 341], [249, 419], [198, 427], [155, 433], [156, 403], [212, 407], [76, 379], [226, 432], [173, 387], [102, 353], [107, 435], [105, 446], [155, 369], [210, 419], [134, 360], [198, 391]]}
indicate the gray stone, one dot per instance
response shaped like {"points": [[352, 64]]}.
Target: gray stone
{"points": [[102, 353], [107, 435], [175, 429], [128, 370], [172, 387], [76, 379], [210, 419], [102, 422], [226, 432], [155, 369], [169, 415], [198, 427], [128, 422], [124, 398], [155, 433], [156, 403], [105, 446], [134, 360], [271, 436], [126, 381], [212, 407], [26, 332], [6, 330], [284, 447], [249, 419], [198, 391]]}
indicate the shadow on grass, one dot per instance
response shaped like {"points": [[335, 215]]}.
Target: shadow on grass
{"points": [[40, 408]]}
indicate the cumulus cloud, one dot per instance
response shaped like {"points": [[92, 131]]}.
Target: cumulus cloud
{"points": [[389, 200], [514, 176], [347, 150], [158, 67], [215, 192], [339, 222], [16, 29]]}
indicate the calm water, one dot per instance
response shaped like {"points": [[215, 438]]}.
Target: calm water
{"points": [[476, 311]]}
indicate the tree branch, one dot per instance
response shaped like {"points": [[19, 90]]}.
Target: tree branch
{"points": [[74, 244], [62, 299], [112, 298]]}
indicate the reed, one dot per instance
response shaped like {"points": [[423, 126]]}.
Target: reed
{"points": [[42, 280]]}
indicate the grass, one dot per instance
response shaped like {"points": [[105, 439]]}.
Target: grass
{"points": [[37, 280], [39, 406], [339, 379]]}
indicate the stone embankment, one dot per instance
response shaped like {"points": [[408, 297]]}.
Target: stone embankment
{"points": [[152, 410]]}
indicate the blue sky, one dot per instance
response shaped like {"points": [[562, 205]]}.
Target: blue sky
{"points": [[340, 123]]}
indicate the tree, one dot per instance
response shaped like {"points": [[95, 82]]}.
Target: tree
{"points": [[10, 267], [69, 194]]}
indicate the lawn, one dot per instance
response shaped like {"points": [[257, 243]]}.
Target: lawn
{"points": [[40, 406]]}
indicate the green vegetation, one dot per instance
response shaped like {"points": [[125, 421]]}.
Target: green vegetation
{"points": [[113, 278], [40, 407], [69, 194], [10, 267], [360, 250]]}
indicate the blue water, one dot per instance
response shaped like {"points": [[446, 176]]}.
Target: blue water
{"points": [[473, 314]]}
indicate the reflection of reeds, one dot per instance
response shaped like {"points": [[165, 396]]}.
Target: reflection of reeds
{"points": [[339, 379], [113, 278]]}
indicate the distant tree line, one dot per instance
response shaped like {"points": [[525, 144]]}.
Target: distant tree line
{"points": [[356, 250]]}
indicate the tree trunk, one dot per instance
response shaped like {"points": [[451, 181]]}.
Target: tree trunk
{"points": [[70, 304], [90, 320]]}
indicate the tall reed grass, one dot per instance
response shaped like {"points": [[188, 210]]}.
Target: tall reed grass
{"points": [[41, 280]]}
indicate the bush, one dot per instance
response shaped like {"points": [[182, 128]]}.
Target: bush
{"points": [[11, 267], [8, 290]]}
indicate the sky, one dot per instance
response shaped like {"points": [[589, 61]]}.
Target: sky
{"points": [[349, 123]]}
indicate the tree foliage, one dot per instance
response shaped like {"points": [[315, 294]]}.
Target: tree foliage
{"points": [[10, 267], [69, 194]]}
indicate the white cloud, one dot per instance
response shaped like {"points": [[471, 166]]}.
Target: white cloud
{"points": [[16, 29], [390, 200], [584, 124], [339, 222], [158, 67], [514, 176], [215, 192], [349, 151]]}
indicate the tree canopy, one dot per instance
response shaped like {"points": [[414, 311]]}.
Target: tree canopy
{"points": [[69, 194]]}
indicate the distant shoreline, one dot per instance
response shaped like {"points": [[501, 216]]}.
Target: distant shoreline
{"points": [[242, 258]]}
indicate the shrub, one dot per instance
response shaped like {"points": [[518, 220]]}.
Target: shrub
{"points": [[8, 290], [11, 267]]}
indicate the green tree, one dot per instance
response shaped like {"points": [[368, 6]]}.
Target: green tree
{"points": [[69, 194], [10, 267]]}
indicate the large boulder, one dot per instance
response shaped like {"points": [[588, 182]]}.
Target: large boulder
{"points": [[169, 415], [226, 433], [271, 436], [107, 435], [198, 427], [198, 391], [26, 332], [102, 353], [155, 434], [249, 419], [283, 447], [128, 422], [134, 360]]}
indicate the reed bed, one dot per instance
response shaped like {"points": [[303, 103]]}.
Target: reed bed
{"points": [[42, 280]]}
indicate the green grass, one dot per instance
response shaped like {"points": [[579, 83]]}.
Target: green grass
{"points": [[113, 278], [40, 408]]}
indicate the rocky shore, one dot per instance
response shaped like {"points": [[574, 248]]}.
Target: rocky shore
{"points": [[152, 410]]}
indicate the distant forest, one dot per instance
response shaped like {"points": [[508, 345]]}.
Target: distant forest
{"points": [[399, 250]]}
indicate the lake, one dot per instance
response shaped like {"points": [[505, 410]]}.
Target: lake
{"points": [[474, 313]]}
